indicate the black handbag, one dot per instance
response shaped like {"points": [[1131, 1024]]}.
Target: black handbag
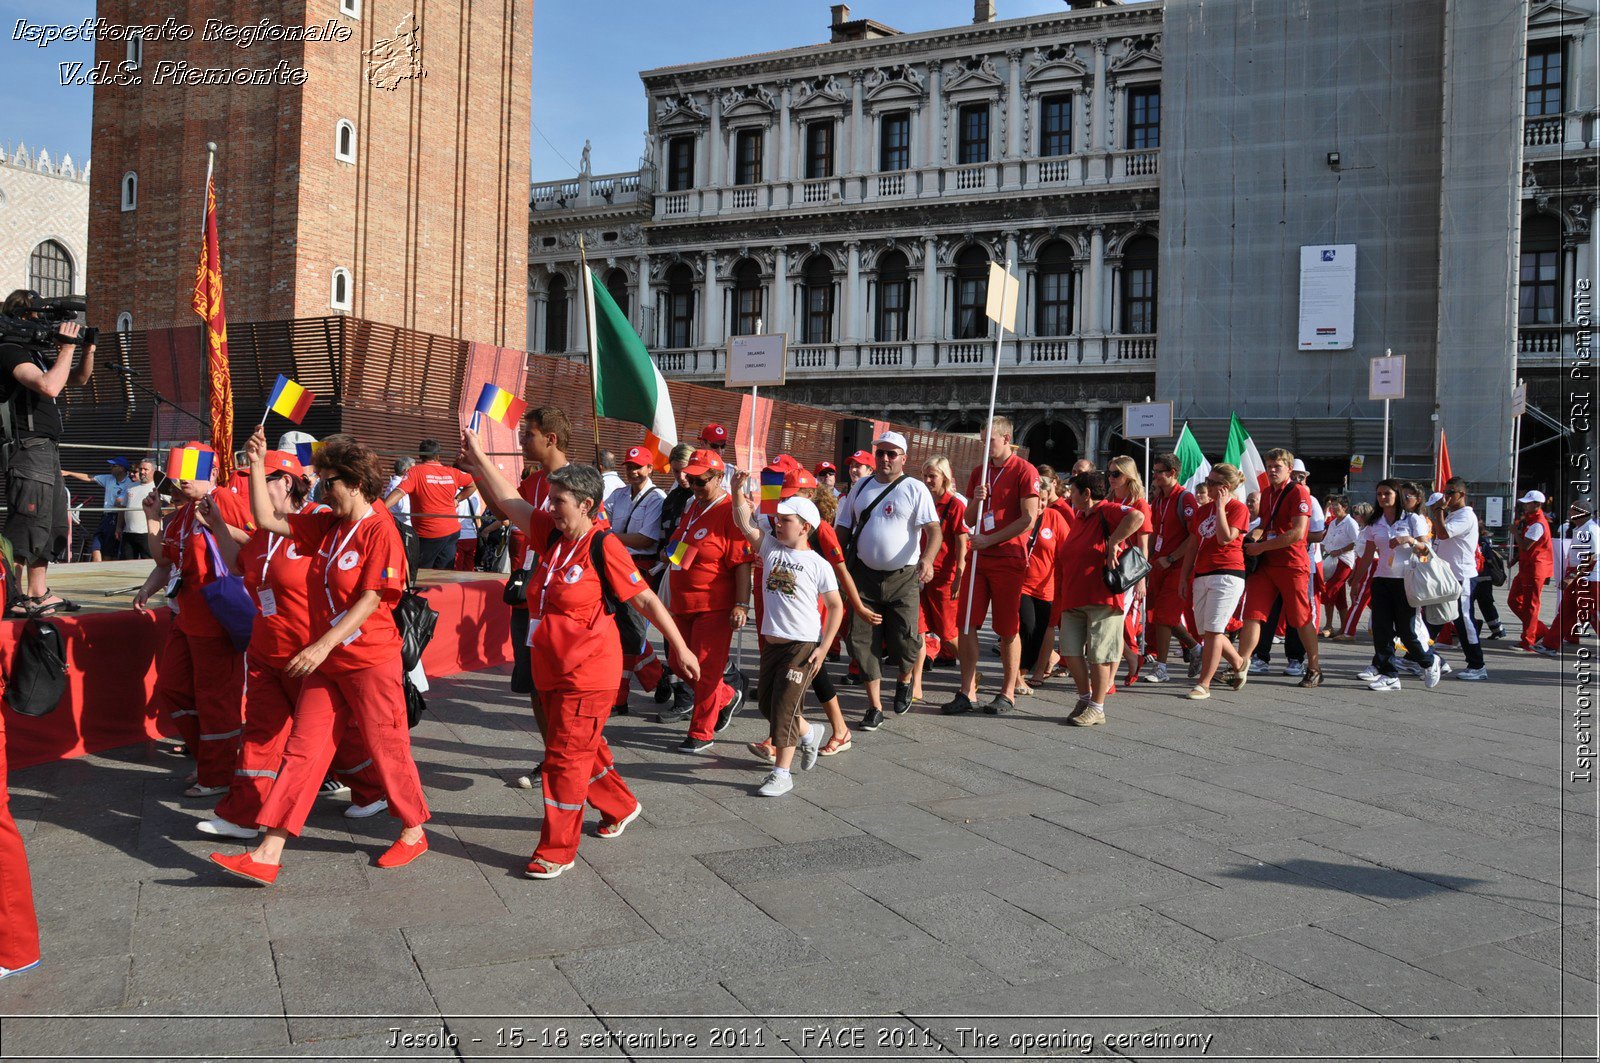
{"points": [[416, 620], [38, 677], [516, 592], [1130, 568], [416, 705]]}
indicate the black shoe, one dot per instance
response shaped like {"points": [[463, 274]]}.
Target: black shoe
{"points": [[620, 709], [999, 705], [872, 720], [664, 688], [682, 705], [1312, 679], [694, 745], [1496, 632], [902, 698], [961, 704], [853, 679], [725, 717]]}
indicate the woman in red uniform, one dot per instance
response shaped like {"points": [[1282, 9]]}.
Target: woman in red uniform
{"points": [[1127, 488], [938, 596], [1039, 585], [351, 671], [275, 572], [575, 650], [19, 925]]}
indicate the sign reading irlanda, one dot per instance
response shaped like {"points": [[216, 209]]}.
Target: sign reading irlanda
{"points": [[393, 60]]}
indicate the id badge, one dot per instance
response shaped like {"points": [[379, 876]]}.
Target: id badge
{"points": [[533, 625], [988, 521], [1159, 541], [174, 581], [269, 601], [527, 559], [335, 623]]}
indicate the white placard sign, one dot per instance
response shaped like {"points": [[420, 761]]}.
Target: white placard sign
{"points": [[1519, 400], [1387, 378], [755, 361], [1327, 297], [1494, 512], [1146, 420]]}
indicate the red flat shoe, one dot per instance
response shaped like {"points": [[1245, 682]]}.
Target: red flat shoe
{"points": [[402, 853], [247, 868]]}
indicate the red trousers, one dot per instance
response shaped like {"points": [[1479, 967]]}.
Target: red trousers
{"points": [[1524, 599], [577, 768], [374, 701], [466, 555], [1360, 595], [709, 635], [1575, 616], [19, 926], [938, 606], [200, 686], [269, 699], [1333, 595]]}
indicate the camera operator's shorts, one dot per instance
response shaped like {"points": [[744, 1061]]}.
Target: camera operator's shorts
{"points": [[36, 503]]}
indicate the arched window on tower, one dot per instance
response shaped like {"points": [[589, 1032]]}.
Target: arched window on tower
{"points": [[339, 296], [124, 322], [1053, 301], [130, 191], [972, 292], [555, 317], [50, 270], [344, 141], [1139, 285], [894, 297]]}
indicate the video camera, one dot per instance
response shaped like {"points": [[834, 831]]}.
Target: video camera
{"points": [[42, 331]]}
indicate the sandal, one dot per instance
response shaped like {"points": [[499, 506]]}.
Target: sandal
{"points": [[22, 608], [765, 750], [1023, 690], [836, 744]]}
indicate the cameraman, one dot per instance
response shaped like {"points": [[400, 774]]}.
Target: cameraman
{"points": [[36, 521]]}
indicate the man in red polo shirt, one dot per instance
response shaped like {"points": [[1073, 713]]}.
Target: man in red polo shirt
{"points": [[1285, 568], [200, 679], [434, 488], [1008, 499]]}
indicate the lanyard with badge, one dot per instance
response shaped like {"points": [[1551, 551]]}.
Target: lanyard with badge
{"points": [[1168, 507], [557, 564], [991, 484], [680, 552], [329, 560]]}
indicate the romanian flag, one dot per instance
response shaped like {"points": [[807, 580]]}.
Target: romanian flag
{"points": [[191, 463], [680, 553], [390, 573], [771, 490], [498, 404], [207, 303], [307, 452], [289, 399]]}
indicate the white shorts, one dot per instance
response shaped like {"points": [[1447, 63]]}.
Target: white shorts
{"points": [[1216, 599]]}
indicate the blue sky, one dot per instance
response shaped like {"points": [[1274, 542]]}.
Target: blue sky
{"points": [[585, 76]]}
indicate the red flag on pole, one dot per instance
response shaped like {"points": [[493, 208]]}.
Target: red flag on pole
{"points": [[208, 304], [1441, 468]]}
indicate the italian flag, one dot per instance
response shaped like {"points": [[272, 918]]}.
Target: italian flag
{"points": [[1193, 468], [1242, 453], [627, 384]]}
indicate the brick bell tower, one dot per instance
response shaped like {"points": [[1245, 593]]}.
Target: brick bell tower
{"points": [[373, 160]]}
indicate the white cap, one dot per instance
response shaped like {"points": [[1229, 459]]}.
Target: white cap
{"points": [[803, 508], [892, 439], [1299, 466], [1434, 499], [288, 440], [1533, 496]]}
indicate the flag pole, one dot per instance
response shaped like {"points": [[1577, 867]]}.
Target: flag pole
{"points": [[988, 435], [594, 346]]}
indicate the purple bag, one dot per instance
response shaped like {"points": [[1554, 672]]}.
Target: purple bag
{"points": [[229, 601]]}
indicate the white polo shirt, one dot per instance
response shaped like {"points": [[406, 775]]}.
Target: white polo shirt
{"points": [[1342, 533], [1581, 547], [891, 539], [1460, 551]]}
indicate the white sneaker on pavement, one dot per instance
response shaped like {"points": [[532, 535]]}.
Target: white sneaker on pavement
{"points": [[1473, 674], [1384, 684], [1259, 667], [776, 785], [363, 811], [1295, 668], [1368, 674], [1156, 674], [1431, 674]]}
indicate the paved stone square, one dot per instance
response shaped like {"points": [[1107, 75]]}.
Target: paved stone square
{"points": [[1317, 874]]}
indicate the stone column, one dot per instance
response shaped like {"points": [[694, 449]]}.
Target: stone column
{"points": [[931, 129], [852, 292], [1092, 441], [931, 297], [716, 170], [1093, 318], [858, 121], [1021, 315], [642, 296], [536, 314], [784, 191], [1098, 104], [1011, 173], [780, 289], [716, 312]]}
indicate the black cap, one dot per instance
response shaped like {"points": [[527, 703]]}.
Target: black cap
{"points": [[428, 448]]}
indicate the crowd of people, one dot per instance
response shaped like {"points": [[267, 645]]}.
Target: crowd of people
{"points": [[283, 676]]}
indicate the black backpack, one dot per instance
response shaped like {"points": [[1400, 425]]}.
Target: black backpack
{"points": [[1494, 565], [38, 671]]}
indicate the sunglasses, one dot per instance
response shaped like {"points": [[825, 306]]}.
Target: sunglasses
{"points": [[701, 481], [1113, 475], [890, 454]]}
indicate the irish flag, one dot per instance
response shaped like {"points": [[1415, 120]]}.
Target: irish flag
{"points": [[1242, 453], [627, 384], [1193, 468]]}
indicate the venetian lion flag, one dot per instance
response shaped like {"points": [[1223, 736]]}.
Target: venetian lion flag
{"points": [[627, 384], [208, 304], [1193, 467], [1242, 453]]}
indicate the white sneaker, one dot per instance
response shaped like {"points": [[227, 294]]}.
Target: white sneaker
{"points": [[1156, 674], [1473, 674], [223, 829], [776, 785], [1368, 674], [1295, 668], [809, 747], [1277, 640], [1384, 684], [1444, 664], [363, 811], [1431, 674], [1259, 667], [7, 972]]}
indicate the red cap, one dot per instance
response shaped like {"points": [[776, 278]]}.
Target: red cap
{"points": [[784, 463], [638, 456], [713, 433], [826, 466], [702, 462], [283, 461], [795, 481], [863, 457]]}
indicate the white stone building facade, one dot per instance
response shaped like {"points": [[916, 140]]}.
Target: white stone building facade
{"points": [[44, 222]]}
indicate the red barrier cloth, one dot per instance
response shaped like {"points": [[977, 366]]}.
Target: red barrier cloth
{"points": [[111, 666]]}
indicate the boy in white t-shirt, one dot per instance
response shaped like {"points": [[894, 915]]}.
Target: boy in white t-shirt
{"points": [[794, 634]]}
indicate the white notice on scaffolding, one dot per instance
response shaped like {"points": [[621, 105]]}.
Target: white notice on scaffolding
{"points": [[1327, 297]]}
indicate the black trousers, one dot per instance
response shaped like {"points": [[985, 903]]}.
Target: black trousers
{"points": [[1035, 625], [438, 553], [1483, 598], [1394, 618]]}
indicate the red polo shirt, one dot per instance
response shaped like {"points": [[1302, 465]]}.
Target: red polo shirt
{"points": [[574, 640], [348, 558], [275, 564], [183, 543], [1009, 483], [720, 547], [433, 488]]}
